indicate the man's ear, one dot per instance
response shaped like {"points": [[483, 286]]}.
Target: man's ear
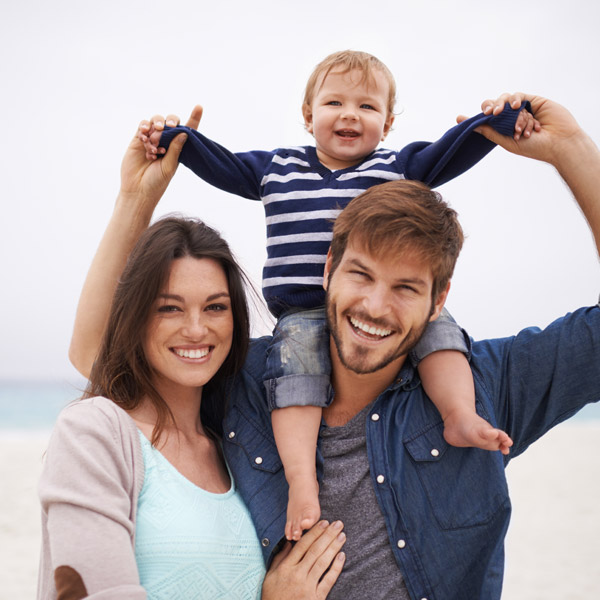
{"points": [[388, 126], [327, 270], [308, 117], [439, 303]]}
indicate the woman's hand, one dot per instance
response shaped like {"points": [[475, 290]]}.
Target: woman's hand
{"points": [[308, 570], [144, 181]]}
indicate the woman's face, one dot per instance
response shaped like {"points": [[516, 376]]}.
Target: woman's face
{"points": [[190, 327]]}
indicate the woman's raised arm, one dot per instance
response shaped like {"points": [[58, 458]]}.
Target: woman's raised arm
{"points": [[143, 183]]}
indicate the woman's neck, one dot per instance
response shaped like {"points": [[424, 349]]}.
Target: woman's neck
{"points": [[184, 404]]}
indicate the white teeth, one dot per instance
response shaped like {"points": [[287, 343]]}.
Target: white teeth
{"points": [[191, 353], [370, 330]]}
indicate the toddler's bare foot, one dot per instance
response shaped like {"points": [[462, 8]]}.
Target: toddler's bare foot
{"points": [[303, 506], [468, 429]]}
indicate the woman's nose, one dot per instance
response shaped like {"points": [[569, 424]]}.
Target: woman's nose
{"points": [[195, 328]]}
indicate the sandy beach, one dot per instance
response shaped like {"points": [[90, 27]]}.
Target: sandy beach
{"points": [[553, 546]]}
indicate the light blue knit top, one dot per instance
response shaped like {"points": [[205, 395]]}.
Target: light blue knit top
{"points": [[190, 543]]}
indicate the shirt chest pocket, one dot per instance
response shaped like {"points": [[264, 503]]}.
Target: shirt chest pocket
{"points": [[260, 451], [465, 487]]}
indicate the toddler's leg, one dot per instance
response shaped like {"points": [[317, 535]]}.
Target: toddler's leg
{"points": [[297, 384], [448, 381], [296, 429]]}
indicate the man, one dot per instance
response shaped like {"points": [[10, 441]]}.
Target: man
{"points": [[423, 520]]}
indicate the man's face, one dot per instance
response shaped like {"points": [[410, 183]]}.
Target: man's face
{"points": [[378, 308]]}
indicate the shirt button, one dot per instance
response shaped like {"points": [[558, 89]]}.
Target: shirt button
{"points": [[401, 544], [258, 460], [374, 417], [265, 542], [380, 478], [435, 452], [231, 434]]}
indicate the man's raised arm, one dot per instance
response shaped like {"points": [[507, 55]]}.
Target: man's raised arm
{"points": [[562, 143]]}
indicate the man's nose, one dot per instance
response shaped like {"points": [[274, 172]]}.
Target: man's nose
{"points": [[378, 302]]}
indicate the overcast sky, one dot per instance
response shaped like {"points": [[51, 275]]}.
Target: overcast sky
{"points": [[77, 77]]}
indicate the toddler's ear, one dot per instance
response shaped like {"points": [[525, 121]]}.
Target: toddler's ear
{"points": [[387, 127], [308, 117]]}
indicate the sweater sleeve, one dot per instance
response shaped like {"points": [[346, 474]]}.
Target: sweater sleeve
{"points": [[240, 174], [460, 148], [86, 490]]}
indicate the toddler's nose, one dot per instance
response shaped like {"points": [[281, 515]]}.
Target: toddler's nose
{"points": [[349, 115]]}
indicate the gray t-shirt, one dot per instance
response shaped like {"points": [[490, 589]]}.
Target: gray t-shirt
{"points": [[347, 494]]}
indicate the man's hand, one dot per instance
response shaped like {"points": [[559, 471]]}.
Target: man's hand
{"points": [[556, 132], [308, 570]]}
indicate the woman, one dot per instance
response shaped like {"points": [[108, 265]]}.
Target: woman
{"points": [[137, 500]]}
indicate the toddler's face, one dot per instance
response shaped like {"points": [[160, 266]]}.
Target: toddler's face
{"points": [[348, 117]]}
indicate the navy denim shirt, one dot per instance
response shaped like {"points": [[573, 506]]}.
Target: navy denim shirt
{"points": [[447, 509]]}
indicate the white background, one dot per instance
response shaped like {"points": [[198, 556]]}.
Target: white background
{"points": [[77, 77]]}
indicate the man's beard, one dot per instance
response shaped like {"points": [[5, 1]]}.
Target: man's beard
{"points": [[358, 361]]}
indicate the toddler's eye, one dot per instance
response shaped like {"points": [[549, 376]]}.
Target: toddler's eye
{"points": [[334, 103], [367, 106]]}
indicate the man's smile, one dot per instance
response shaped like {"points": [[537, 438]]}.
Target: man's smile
{"points": [[369, 331]]}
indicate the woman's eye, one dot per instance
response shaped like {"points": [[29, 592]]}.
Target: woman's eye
{"points": [[217, 307], [167, 308]]}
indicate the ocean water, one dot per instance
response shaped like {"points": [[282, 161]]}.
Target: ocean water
{"points": [[30, 406]]}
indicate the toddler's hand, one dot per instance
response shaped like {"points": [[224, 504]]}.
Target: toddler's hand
{"points": [[526, 123], [149, 133]]}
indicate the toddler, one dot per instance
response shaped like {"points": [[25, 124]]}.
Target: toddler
{"points": [[348, 108]]}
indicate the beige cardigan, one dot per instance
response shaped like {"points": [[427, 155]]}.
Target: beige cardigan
{"points": [[89, 488]]}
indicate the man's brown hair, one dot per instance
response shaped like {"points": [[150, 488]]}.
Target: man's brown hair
{"points": [[401, 217]]}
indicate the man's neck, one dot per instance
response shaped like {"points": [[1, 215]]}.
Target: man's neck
{"points": [[352, 392]]}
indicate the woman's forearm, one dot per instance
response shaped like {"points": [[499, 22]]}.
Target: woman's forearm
{"points": [[127, 223]]}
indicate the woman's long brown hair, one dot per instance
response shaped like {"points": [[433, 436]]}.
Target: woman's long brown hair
{"points": [[121, 371]]}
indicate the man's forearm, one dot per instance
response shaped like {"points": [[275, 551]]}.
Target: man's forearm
{"points": [[578, 163]]}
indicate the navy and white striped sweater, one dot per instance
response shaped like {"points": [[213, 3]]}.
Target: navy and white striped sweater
{"points": [[302, 198]]}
